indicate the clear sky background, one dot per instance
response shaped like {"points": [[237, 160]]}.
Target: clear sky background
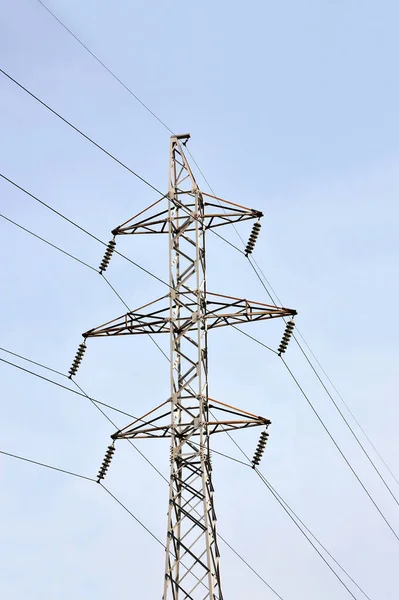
{"points": [[293, 109]]}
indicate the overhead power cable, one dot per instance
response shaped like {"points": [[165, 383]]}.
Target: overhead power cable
{"points": [[348, 408], [299, 523], [244, 333], [74, 128], [105, 67], [366, 454], [49, 243], [281, 500], [264, 282], [41, 464], [130, 91], [95, 481], [256, 268], [145, 106], [78, 227], [109, 154], [340, 451], [308, 538], [324, 426], [94, 142], [349, 427], [97, 404], [47, 466], [105, 244], [88, 138]]}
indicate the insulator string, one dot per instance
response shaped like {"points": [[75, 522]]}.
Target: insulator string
{"points": [[289, 328], [78, 359]]}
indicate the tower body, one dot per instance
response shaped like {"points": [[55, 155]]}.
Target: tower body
{"points": [[192, 556], [189, 417]]}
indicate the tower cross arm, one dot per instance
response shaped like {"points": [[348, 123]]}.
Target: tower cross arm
{"points": [[156, 423], [215, 212], [221, 311]]}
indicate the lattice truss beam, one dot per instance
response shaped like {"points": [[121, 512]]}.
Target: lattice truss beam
{"points": [[156, 423], [214, 215], [220, 311], [189, 417]]}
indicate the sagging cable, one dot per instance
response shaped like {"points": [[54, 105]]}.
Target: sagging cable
{"points": [[78, 359], [260, 448], [252, 238], [107, 256], [289, 328], [106, 462]]}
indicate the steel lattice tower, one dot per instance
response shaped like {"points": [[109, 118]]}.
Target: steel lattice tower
{"points": [[189, 417]]}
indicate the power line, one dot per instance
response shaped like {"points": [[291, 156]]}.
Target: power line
{"points": [[96, 403], [291, 513], [33, 362], [47, 466], [278, 497], [136, 97], [330, 396], [256, 268], [132, 515], [109, 154], [105, 67], [146, 528], [307, 537], [47, 242], [348, 425], [348, 408], [101, 148], [287, 508], [244, 333], [41, 464], [78, 227], [122, 412], [228, 242], [339, 449], [88, 138], [153, 340], [137, 265], [84, 136]]}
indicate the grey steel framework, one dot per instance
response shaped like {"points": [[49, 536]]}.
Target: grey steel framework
{"points": [[189, 416]]}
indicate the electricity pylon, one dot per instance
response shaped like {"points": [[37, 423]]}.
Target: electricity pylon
{"points": [[189, 417]]}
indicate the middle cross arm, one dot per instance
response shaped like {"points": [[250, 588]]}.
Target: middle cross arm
{"points": [[220, 312]]}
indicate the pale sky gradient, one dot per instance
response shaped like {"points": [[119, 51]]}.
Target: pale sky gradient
{"points": [[293, 109]]}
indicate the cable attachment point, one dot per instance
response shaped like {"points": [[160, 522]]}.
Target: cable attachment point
{"points": [[107, 256], [252, 238], [106, 462], [260, 448], [289, 328], [78, 359]]}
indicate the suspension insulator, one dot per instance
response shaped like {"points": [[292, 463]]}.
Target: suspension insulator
{"points": [[106, 462], [289, 328], [107, 256], [78, 359], [260, 448], [252, 238]]}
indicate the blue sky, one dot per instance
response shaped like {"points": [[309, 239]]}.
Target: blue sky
{"points": [[292, 108]]}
